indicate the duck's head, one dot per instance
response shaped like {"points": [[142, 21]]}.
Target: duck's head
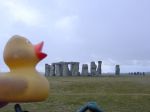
{"points": [[20, 52]]}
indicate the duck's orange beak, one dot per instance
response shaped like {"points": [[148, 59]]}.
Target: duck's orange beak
{"points": [[38, 51]]}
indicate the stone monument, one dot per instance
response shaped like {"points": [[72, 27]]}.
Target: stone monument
{"points": [[47, 70], [85, 70], [93, 68], [99, 69], [117, 70]]}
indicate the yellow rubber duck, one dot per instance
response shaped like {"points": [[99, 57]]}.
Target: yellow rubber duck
{"points": [[23, 83]]}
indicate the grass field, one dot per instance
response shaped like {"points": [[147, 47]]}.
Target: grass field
{"points": [[113, 94]]}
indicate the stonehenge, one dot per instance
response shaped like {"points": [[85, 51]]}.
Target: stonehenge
{"points": [[93, 68], [85, 70], [58, 69], [63, 69], [73, 69], [47, 69], [117, 70], [52, 70], [99, 69]]}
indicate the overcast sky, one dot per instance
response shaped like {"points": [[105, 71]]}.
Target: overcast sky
{"points": [[114, 31]]}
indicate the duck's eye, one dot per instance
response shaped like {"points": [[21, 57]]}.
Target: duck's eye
{"points": [[28, 42]]}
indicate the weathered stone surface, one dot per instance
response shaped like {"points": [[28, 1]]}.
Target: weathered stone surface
{"points": [[52, 70], [58, 69], [65, 69], [117, 70], [93, 68], [62, 69], [47, 70], [99, 69], [75, 69], [85, 70]]}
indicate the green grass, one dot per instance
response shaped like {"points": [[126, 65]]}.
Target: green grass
{"points": [[113, 94]]}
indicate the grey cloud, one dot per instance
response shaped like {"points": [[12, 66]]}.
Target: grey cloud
{"points": [[113, 31]]}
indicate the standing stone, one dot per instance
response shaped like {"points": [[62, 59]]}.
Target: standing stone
{"points": [[52, 70], [93, 68], [65, 71], [47, 70], [75, 68], [135, 73], [58, 69], [85, 70], [99, 69], [117, 70]]}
